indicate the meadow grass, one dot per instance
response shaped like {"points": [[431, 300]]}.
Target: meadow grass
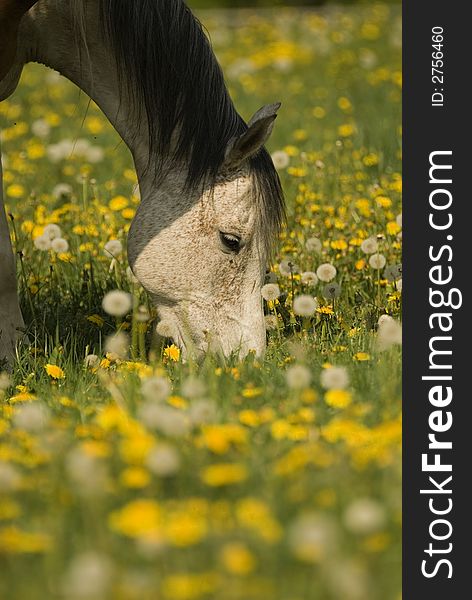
{"points": [[142, 477]]}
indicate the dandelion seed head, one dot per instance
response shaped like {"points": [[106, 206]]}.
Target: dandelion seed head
{"points": [[59, 245], [298, 377], [331, 291], [304, 305], [40, 128], [88, 576], [377, 261], [280, 159], [288, 267], [326, 272], [309, 278], [202, 411], [156, 388], [165, 329], [117, 344], [31, 417], [117, 303], [163, 460], [270, 291], [335, 378], [364, 516], [62, 190], [52, 231], [389, 334], [42, 243], [313, 245], [370, 245], [193, 387], [312, 537], [113, 248]]}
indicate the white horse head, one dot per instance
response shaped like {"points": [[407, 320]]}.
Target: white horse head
{"points": [[212, 203], [202, 254]]}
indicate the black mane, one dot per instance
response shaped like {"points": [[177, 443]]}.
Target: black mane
{"points": [[169, 70]]}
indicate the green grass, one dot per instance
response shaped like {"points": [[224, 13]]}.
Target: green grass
{"points": [[273, 491]]}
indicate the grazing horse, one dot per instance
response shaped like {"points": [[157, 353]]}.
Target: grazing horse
{"points": [[211, 201]]}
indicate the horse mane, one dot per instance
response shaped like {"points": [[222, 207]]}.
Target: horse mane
{"points": [[168, 70]]}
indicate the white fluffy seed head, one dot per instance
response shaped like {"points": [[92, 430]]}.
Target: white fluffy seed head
{"points": [[88, 576], [40, 128], [326, 272], [313, 245], [163, 460], [113, 248], [309, 278], [165, 329], [193, 387], [335, 378], [117, 344], [59, 245], [62, 189], [165, 419], [377, 261], [156, 388], [364, 516], [298, 377], [117, 303], [304, 305], [270, 291], [202, 411], [370, 245], [280, 159], [52, 231], [288, 268], [389, 334], [42, 243], [31, 417]]}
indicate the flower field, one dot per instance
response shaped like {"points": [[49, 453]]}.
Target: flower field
{"points": [[126, 474]]}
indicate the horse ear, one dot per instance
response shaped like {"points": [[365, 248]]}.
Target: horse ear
{"points": [[251, 141]]}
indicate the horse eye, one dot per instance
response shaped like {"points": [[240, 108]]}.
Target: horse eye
{"points": [[230, 242]]}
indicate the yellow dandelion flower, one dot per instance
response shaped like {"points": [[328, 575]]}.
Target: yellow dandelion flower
{"points": [[94, 124], [118, 203], [237, 559], [17, 541], [361, 356], [15, 190], [138, 519], [346, 130], [172, 352], [221, 474], [135, 478], [54, 371], [252, 392], [338, 398]]}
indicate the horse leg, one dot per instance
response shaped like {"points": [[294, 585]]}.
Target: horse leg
{"points": [[11, 319]]}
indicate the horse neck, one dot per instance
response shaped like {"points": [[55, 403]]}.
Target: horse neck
{"points": [[70, 41]]}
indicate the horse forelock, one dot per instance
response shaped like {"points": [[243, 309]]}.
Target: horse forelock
{"points": [[170, 75]]}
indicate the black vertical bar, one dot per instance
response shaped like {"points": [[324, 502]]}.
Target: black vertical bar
{"points": [[441, 127]]}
